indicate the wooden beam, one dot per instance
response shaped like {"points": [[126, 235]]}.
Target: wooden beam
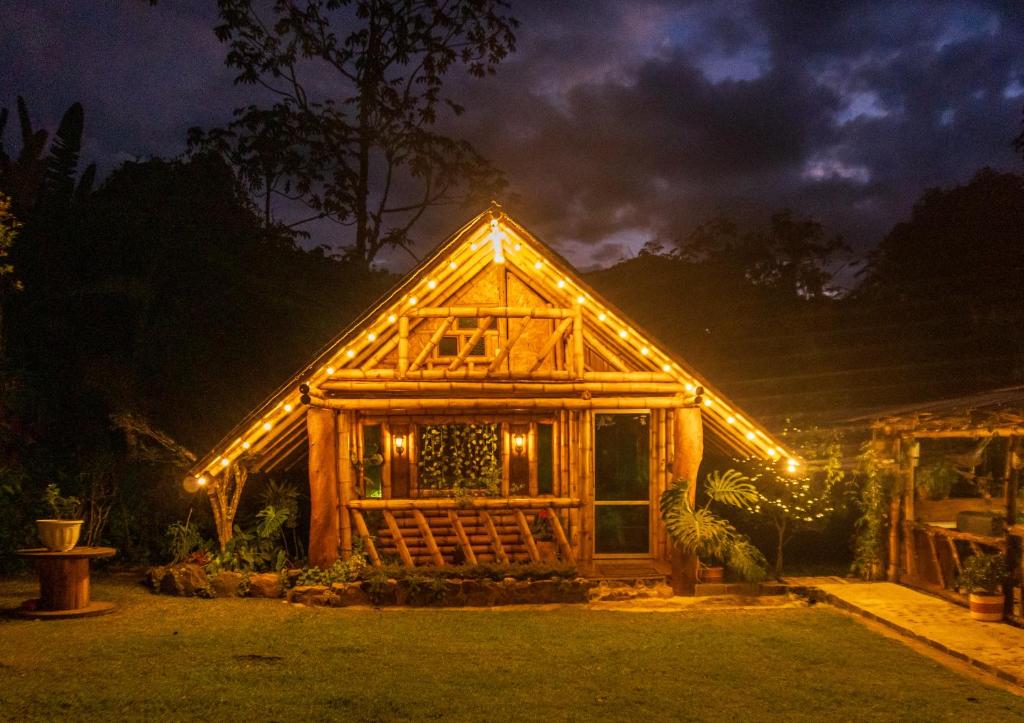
{"points": [[611, 357], [549, 344], [560, 538], [460, 533], [469, 374], [477, 312], [428, 537], [577, 343], [364, 534], [527, 533], [403, 345], [435, 338], [510, 387], [476, 503], [935, 560], [511, 403], [467, 347], [396, 535], [499, 549], [506, 349]]}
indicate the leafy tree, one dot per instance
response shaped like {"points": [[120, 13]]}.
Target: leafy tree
{"points": [[356, 88]]}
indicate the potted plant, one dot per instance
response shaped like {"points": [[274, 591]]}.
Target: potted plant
{"points": [[544, 536], [713, 539], [983, 577], [60, 533]]}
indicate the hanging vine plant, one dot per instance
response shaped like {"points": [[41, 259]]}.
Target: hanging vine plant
{"points": [[870, 542], [460, 456]]}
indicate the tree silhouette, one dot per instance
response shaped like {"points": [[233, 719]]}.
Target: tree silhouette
{"points": [[357, 88]]}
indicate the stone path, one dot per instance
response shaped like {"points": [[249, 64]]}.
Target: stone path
{"points": [[997, 648]]}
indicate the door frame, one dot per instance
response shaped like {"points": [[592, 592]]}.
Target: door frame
{"points": [[610, 503]]}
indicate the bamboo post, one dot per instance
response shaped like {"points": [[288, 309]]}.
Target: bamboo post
{"points": [[364, 534], [324, 532], [909, 512], [499, 550], [560, 538], [396, 535], [1013, 551], [428, 537], [583, 464], [464, 352], [935, 560], [403, 345], [549, 344], [955, 554], [688, 441], [577, 342], [609, 356], [527, 534], [506, 348], [346, 488], [435, 339], [531, 457], [460, 533]]}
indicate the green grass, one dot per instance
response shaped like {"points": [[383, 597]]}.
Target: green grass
{"points": [[168, 658]]}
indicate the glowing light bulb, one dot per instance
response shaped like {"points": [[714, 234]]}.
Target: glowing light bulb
{"points": [[412, 301], [287, 407], [538, 264], [246, 445], [793, 463], [224, 462], [561, 283], [602, 316], [689, 387], [432, 284], [645, 351], [472, 247], [750, 435], [707, 402], [452, 265], [623, 333], [580, 299], [392, 318], [771, 451], [267, 426], [730, 420], [518, 247], [371, 337], [350, 353], [666, 367], [201, 481], [330, 370]]}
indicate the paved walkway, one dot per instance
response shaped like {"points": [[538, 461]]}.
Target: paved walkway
{"points": [[996, 648]]}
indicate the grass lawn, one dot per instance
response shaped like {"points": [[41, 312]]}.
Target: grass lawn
{"points": [[168, 658]]}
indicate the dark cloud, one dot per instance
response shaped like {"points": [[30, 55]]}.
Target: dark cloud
{"points": [[616, 122]]}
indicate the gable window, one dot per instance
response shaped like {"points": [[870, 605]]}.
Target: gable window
{"points": [[459, 335]]}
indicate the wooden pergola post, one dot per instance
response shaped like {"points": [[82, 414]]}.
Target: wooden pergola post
{"points": [[688, 447], [324, 518], [1013, 552]]}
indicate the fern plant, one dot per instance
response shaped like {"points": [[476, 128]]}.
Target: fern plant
{"points": [[699, 531]]}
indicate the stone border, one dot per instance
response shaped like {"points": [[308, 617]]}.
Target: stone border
{"points": [[815, 594]]}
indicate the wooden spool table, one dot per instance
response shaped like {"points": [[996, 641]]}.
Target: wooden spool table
{"points": [[64, 583]]}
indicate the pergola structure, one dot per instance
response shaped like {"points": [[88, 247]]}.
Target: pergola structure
{"points": [[925, 548], [492, 396]]}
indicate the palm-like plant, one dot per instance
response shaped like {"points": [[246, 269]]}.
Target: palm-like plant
{"points": [[699, 531]]}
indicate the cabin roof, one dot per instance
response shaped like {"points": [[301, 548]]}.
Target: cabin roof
{"points": [[273, 435]]}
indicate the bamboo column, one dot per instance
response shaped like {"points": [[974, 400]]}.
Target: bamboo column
{"points": [[584, 464], [909, 461], [688, 441], [1013, 552], [403, 345], [346, 484], [324, 533]]}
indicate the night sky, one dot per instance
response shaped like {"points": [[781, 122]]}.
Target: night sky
{"points": [[616, 122]]}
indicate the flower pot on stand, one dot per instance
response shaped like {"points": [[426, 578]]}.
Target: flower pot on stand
{"points": [[59, 535], [986, 606]]}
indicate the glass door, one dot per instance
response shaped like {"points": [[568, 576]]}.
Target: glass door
{"points": [[622, 492]]}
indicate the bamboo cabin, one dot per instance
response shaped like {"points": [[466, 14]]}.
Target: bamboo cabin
{"points": [[492, 406], [957, 468]]}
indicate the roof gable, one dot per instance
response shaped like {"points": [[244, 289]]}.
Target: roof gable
{"points": [[452, 278]]}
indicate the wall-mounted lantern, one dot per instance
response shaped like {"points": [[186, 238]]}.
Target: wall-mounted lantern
{"points": [[399, 442], [518, 443]]}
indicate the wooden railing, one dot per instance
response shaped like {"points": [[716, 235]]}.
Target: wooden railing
{"points": [[480, 528], [950, 538]]}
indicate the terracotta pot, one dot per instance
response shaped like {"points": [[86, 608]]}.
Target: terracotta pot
{"points": [[548, 550], [709, 574], [59, 535], [987, 607]]}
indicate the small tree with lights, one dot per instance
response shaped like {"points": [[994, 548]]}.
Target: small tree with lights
{"points": [[792, 497]]}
